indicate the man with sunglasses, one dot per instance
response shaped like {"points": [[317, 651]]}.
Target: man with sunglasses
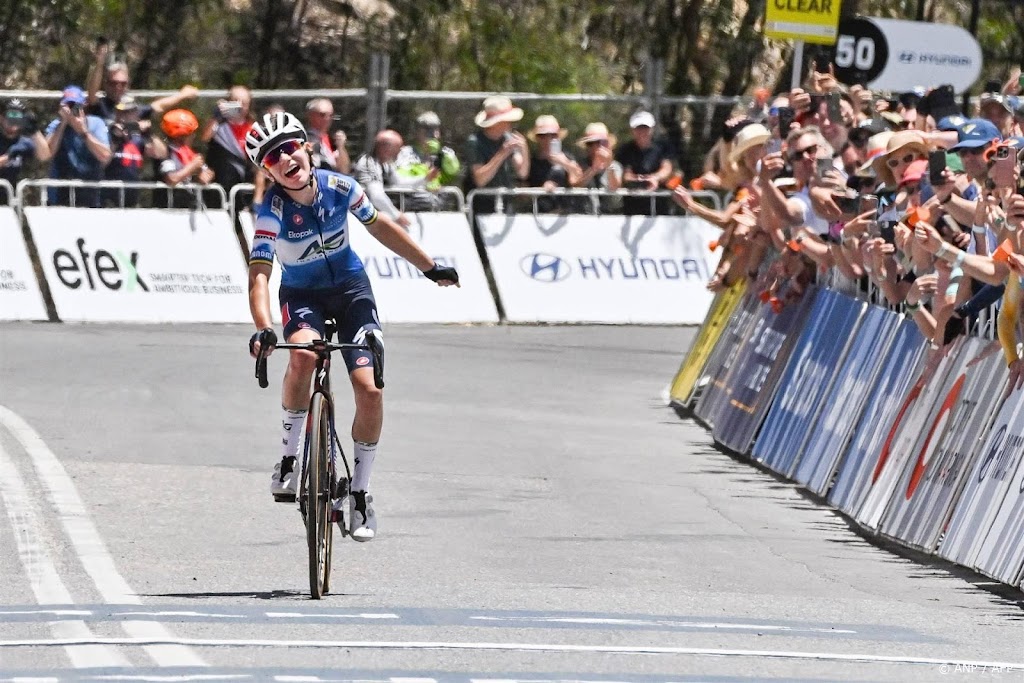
{"points": [[805, 146], [303, 222], [974, 136]]}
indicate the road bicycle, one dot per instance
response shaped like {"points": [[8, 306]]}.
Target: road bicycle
{"points": [[322, 494]]}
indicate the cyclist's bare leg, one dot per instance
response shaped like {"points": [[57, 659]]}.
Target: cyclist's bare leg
{"points": [[366, 426], [299, 373]]}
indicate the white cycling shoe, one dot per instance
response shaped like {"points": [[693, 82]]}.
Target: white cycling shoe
{"points": [[284, 481], [362, 519]]}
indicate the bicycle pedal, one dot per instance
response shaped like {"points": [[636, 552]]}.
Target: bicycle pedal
{"points": [[284, 497]]}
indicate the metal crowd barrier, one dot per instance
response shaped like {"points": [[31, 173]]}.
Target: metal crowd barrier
{"points": [[196, 191], [594, 196], [10, 198]]}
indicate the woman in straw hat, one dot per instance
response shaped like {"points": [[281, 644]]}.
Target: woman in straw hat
{"points": [[600, 170], [550, 167]]}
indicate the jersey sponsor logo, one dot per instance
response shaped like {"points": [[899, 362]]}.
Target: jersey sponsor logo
{"points": [[297, 219], [362, 360], [277, 206], [299, 235], [303, 312], [338, 240], [359, 202], [339, 184], [305, 326]]}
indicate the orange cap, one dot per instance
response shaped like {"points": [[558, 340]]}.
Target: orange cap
{"points": [[178, 123]]}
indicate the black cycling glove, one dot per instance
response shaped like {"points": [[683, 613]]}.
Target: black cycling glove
{"points": [[438, 273], [266, 337]]}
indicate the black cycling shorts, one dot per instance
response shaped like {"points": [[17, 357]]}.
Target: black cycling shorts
{"points": [[351, 304]]}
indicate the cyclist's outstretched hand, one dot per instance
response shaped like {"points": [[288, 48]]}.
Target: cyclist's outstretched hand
{"points": [[264, 339], [443, 276]]}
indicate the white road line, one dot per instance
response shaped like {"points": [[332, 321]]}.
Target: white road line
{"points": [[89, 545], [41, 572], [328, 615], [664, 622], [515, 647], [174, 613]]}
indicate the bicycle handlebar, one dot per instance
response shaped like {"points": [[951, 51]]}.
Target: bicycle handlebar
{"points": [[323, 348]]}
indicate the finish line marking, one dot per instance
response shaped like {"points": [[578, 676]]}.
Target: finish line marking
{"points": [[512, 647]]}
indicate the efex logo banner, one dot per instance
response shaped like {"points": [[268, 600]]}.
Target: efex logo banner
{"points": [[142, 265]]}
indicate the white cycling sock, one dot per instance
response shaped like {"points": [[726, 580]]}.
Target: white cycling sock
{"points": [[364, 455], [291, 431]]}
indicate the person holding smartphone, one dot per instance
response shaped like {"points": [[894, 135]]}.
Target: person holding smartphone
{"points": [[80, 149], [225, 135], [600, 170]]}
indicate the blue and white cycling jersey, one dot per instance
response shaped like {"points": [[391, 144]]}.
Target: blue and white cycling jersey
{"points": [[312, 242]]}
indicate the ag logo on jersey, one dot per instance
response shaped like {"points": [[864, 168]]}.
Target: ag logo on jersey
{"points": [[336, 182], [277, 207]]}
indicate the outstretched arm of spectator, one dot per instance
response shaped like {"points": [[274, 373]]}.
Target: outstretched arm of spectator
{"points": [[95, 79], [165, 104], [789, 212], [343, 162], [720, 218], [55, 137], [979, 267]]}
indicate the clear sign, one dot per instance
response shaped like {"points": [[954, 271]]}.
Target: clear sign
{"points": [[813, 21]]}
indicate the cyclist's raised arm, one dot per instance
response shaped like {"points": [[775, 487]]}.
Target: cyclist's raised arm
{"points": [[259, 294], [386, 230]]}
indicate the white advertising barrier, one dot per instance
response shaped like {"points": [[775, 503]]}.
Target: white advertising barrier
{"points": [[402, 292], [606, 269], [922, 502], [1002, 554], [987, 485], [141, 265], [912, 432], [20, 298]]}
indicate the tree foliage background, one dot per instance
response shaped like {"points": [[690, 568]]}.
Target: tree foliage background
{"points": [[545, 46]]}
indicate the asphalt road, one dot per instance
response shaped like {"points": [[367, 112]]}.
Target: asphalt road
{"points": [[543, 516]]}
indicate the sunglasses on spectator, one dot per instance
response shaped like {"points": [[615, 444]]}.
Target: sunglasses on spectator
{"points": [[289, 147], [893, 163], [797, 153]]}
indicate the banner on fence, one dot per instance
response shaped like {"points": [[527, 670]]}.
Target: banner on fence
{"points": [[607, 269], [141, 265], [895, 390], [754, 378], [403, 293], [20, 296], [989, 481], [819, 351], [700, 352], [843, 404], [908, 436], [921, 503], [711, 382], [1002, 554]]}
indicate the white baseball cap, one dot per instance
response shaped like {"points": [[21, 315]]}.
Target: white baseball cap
{"points": [[642, 118]]}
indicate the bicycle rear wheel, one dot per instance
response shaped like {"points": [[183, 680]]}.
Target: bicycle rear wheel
{"points": [[319, 530]]}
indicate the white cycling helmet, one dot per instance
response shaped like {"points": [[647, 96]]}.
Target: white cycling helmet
{"points": [[270, 132]]}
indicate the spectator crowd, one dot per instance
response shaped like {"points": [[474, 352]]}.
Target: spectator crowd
{"points": [[907, 198]]}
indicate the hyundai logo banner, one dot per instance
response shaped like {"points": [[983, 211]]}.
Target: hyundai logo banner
{"points": [[608, 269]]}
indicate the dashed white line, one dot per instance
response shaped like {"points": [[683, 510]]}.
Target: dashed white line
{"points": [[518, 647], [42, 575], [89, 545], [609, 621]]}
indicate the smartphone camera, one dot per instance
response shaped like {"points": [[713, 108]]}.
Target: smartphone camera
{"points": [[887, 231], [822, 167]]}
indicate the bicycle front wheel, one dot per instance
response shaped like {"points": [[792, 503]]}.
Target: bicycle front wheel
{"points": [[319, 536]]}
